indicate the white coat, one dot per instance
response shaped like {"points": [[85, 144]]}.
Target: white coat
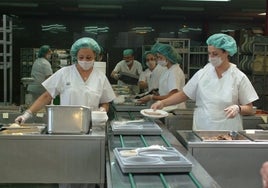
{"points": [[213, 95]]}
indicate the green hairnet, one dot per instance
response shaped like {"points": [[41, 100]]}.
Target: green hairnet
{"points": [[128, 52], [84, 42], [168, 51], [223, 41], [43, 51]]}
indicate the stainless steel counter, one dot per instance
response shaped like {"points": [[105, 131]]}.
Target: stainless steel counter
{"points": [[232, 164], [198, 177], [53, 158]]}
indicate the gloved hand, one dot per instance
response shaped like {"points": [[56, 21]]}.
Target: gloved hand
{"points": [[102, 109], [157, 105], [145, 99], [22, 118], [232, 111], [117, 76]]}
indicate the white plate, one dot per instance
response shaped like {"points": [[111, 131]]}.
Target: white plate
{"points": [[159, 113]]}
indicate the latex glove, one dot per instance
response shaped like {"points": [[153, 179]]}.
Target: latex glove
{"points": [[264, 174], [145, 99], [157, 105], [21, 119], [102, 109], [231, 111], [117, 76]]}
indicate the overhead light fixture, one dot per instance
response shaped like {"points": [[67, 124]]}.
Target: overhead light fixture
{"points": [[96, 30], [19, 4], [262, 14], [211, 0], [183, 8], [142, 30], [100, 6]]}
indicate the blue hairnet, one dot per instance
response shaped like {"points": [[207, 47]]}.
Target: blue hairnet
{"points": [[168, 51], [128, 52], [84, 42], [43, 50], [223, 41]]}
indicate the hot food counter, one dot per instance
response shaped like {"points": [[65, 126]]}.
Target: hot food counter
{"points": [[232, 161], [117, 177], [45, 158]]}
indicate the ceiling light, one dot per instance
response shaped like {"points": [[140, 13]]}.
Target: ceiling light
{"points": [[100, 6], [19, 4], [262, 14], [183, 8], [211, 0]]}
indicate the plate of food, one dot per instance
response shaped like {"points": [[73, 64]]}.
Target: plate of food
{"points": [[154, 113]]}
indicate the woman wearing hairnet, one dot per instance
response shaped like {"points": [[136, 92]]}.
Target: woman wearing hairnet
{"points": [[41, 70], [149, 79], [78, 84], [221, 91], [172, 80]]}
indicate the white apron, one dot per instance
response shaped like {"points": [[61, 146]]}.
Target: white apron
{"points": [[213, 96]]}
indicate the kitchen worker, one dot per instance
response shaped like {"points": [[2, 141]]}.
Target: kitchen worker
{"points": [[222, 92], [77, 84], [41, 70], [264, 174], [149, 79], [128, 65], [172, 80]]}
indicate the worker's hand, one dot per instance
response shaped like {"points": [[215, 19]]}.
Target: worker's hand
{"points": [[116, 76], [102, 109], [157, 105], [231, 111], [264, 174], [21, 119], [145, 99]]}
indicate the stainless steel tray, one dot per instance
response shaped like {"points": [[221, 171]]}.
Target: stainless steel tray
{"points": [[24, 129], [221, 136], [152, 160], [135, 128], [258, 136]]}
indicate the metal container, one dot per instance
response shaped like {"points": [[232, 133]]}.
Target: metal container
{"points": [[69, 119]]}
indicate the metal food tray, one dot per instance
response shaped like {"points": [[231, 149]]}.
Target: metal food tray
{"points": [[209, 136], [153, 161], [258, 136], [130, 107], [135, 128], [24, 129]]}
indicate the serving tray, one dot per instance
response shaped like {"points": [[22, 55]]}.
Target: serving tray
{"points": [[151, 160], [135, 128]]}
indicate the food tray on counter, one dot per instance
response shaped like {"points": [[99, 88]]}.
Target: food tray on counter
{"points": [[24, 129], [221, 136], [135, 128], [257, 136], [142, 160]]}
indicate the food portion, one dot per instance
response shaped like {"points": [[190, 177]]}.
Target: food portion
{"points": [[154, 113], [218, 137]]}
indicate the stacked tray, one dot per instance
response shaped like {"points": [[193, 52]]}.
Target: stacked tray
{"points": [[142, 160], [135, 128]]}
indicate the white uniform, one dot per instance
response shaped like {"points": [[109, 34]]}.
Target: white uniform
{"points": [[40, 71], [172, 78], [74, 91], [122, 66], [213, 95], [152, 77]]}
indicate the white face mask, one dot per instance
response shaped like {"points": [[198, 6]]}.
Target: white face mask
{"points": [[86, 65], [215, 61], [163, 63], [48, 57]]}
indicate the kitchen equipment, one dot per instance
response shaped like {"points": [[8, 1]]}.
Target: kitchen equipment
{"points": [[69, 119], [257, 135], [220, 136], [152, 160], [23, 129], [135, 128]]}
